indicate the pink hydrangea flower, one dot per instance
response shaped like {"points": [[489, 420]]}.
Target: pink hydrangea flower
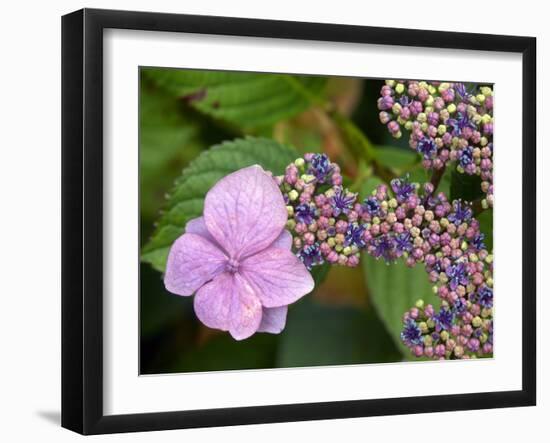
{"points": [[237, 258]]}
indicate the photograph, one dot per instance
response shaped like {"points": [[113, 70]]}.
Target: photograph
{"points": [[298, 220]]}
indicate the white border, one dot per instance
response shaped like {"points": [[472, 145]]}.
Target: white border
{"points": [[126, 392]]}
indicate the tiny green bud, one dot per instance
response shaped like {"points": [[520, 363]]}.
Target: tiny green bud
{"points": [[393, 203], [390, 83], [430, 323], [290, 224], [331, 242], [408, 125], [421, 117], [489, 258], [486, 91], [444, 335], [293, 195], [299, 162], [480, 98], [476, 322], [419, 304], [451, 108], [423, 327], [444, 87], [486, 119], [441, 129], [290, 211], [347, 250], [400, 88], [338, 248]]}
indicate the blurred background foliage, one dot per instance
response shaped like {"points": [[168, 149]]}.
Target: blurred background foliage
{"points": [[354, 314]]}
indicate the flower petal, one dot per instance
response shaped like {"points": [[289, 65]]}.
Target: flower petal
{"points": [[229, 303], [273, 319], [278, 277], [192, 262], [283, 241], [197, 226], [245, 211]]}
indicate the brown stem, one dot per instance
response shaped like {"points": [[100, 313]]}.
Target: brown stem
{"points": [[477, 207], [437, 174]]}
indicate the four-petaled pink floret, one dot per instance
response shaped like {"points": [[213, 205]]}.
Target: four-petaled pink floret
{"points": [[237, 257]]}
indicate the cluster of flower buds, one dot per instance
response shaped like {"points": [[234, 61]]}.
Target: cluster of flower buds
{"points": [[446, 122], [460, 331], [408, 221], [321, 215]]}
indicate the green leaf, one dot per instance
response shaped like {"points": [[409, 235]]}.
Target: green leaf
{"points": [[319, 273], [394, 289], [186, 199], [465, 187], [246, 100], [224, 353], [317, 334], [368, 186], [159, 309], [395, 158], [168, 139], [485, 219]]}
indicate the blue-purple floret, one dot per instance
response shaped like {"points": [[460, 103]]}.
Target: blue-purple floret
{"points": [[372, 206], [402, 189], [404, 101], [461, 90], [305, 213], [457, 275], [320, 167], [341, 202], [458, 124], [427, 148], [444, 319], [354, 235], [479, 241], [310, 255], [485, 296], [466, 156], [459, 306], [403, 242], [461, 213], [385, 248], [411, 334]]}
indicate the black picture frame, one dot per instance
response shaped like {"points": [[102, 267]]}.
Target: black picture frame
{"points": [[82, 218]]}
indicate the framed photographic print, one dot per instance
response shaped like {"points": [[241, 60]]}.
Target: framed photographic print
{"points": [[270, 221]]}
